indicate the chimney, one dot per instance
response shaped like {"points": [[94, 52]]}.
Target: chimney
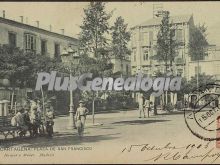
{"points": [[38, 23], [62, 31], [22, 19], [51, 28], [26, 20], [3, 13]]}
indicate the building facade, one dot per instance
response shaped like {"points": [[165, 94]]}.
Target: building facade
{"points": [[144, 40], [31, 38], [34, 39], [123, 66], [210, 65]]}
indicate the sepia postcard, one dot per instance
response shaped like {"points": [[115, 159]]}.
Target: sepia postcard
{"points": [[110, 82]]}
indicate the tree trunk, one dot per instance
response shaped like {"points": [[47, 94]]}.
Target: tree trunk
{"points": [[93, 109], [166, 91], [43, 102], [155, 106], [12, 99], [197, 78]]}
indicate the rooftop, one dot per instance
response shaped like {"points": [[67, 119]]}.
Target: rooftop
{"points": [[37, 29], [174, 19]]}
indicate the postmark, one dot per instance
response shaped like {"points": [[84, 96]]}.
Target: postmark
{"points": [[201, 117]]}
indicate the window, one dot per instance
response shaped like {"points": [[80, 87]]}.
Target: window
{"points": [[145, 53], [145, 38], [30, 42], [134, 37], [43, 47], [179, 35], [134, 54], [12, 39], [179, 72], [57, 51]]}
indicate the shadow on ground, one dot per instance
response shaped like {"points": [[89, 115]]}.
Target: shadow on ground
{"points": [[59, 139], [172, 113], [136, 122]]}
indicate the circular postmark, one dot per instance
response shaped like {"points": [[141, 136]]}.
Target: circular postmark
{"points": [[201, 116]]}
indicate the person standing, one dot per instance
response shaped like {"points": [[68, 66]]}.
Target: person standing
{"points": [[81, 113], [49, 104], [35, 120], [39, 107], [141, 105], [147, 106], [49, 121]]}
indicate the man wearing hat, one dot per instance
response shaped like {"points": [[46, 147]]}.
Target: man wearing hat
{"points": [[81, 113]]}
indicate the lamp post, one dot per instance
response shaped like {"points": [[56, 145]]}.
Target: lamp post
{"points": [[71, 58]]}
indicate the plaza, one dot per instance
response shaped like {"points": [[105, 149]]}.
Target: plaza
{"points": [[112, 133]]}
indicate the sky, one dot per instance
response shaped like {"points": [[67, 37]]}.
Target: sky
{"points": [[69, 15]]}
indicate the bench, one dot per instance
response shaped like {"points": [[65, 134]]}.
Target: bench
{"points": [[6, 128]]}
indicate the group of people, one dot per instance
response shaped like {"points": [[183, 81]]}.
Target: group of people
{"points": [[144, 105], [31, 117]]}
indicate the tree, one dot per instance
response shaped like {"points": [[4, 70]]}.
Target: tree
{"points": [[93, 37], [21, 67], [93, 41], [166, 43], [16, 65], [197, 45], [120, 39], [203, 81]]}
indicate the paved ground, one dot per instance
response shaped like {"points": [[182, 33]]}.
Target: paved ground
{"points": [[119, 130]]}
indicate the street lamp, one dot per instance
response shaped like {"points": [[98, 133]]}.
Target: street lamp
{"points": [[71, 58]]}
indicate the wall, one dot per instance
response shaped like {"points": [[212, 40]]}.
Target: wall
{"points": [[20, 29], [209, 67], [117, 66], [147, 66]]}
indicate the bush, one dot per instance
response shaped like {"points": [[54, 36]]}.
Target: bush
{"points": [[179, 105], [169, 107]]}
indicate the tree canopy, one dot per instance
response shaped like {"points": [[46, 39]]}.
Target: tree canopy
{"points": [[166, 43], [188, 87], [21, 67], [120, 38], [93, 38], [198, 42]]}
